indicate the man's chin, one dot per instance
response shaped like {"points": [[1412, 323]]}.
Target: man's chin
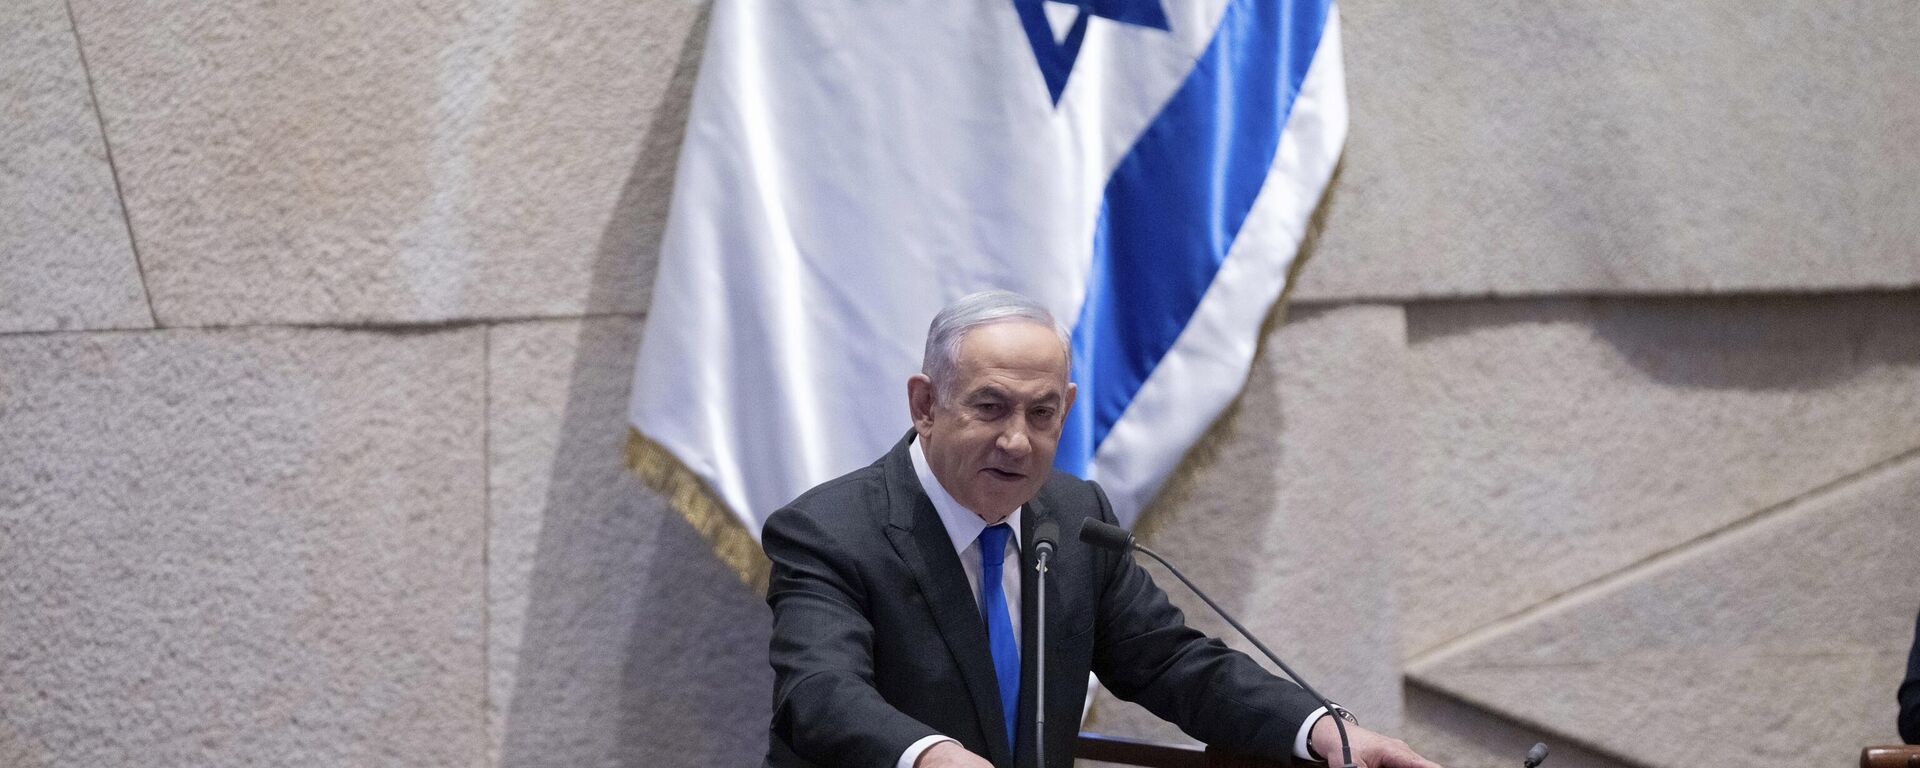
{"points": [[1004, 496]]}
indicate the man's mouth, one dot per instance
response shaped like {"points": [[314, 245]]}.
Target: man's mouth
{"points": [[1001, 474]]}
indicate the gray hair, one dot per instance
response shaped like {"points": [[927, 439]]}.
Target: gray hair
{"points": [[972, 311]]}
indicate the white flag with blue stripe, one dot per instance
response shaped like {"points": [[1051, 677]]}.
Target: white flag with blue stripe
{"points": [[1145, 168]]}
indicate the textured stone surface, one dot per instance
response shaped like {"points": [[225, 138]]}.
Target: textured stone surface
{"points": [[65, 259], [1641, 146], [616, 637], [394, 162], [241, 548], [1561, 441], [1279, 513], [264, 547], [1778, 642]]}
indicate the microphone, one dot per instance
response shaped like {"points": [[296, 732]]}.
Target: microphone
{"points": [[1537, 755], [1046, 535], [1104, 536], [1112, 537]]}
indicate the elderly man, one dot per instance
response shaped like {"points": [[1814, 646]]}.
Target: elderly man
{"points": [[902, 630]]}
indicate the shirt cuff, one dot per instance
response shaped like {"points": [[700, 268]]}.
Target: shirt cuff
{"points": [[1300, 749], [912, 754]]}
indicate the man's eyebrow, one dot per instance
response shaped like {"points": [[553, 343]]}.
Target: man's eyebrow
{"points": [[986, 391], [992, 391]]}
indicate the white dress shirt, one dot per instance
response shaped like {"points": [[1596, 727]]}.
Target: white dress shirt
{"points": [[963, 529]]}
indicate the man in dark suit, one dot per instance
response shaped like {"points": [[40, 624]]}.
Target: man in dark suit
{"points": [[903, 628], [1910, 692]]}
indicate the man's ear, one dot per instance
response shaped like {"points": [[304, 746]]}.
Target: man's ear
{"points": [[920, 402], [1071, 391]]}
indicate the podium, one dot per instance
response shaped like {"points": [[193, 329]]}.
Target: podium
{"points": [[1894, 756], [1114, 749]]}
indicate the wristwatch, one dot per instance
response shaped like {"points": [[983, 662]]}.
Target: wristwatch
{"points": [[1339, 712]]}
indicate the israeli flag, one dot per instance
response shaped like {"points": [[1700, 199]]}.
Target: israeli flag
{"points": [[1145, 168]]}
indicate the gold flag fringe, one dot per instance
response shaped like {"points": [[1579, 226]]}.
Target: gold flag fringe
{"points": [[690, 495]]}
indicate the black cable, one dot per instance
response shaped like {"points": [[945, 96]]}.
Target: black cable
{"points": [[1346, 748]]}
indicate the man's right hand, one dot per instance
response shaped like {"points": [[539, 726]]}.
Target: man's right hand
{"points": [[1370, 750], [949, 754]]}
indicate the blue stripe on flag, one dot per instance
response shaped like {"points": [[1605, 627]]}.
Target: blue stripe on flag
{"points": [[1175, 203]]}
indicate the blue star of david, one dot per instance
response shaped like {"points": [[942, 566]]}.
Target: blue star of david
{"points": [[1056, 57]]}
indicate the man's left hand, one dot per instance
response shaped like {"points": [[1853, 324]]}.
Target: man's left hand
{"points": [[1370, 750]]}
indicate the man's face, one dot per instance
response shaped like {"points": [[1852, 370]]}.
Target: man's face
{"points": [[991, 440]]}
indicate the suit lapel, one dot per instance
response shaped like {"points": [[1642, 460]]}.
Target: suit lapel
{"points": [[921, 540]]}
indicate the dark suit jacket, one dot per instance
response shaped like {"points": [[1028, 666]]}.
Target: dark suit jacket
{"points": [[877, 641], [1910, 692]]}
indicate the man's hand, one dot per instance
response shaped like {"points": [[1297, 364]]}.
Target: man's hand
{"points": [[1370, 750], [949, 754]]}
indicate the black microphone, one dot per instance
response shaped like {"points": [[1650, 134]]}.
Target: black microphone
{"points": [[1104, 536], [1112, 537], [1046, 536], [1537, 755]]}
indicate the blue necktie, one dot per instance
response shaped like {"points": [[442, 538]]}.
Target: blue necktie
{"points": [[993, 608]]}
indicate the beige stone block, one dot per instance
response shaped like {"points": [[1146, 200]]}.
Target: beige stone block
{"points": [[1630, 147], [1563, 440], [381, 162], [616, 637], [1278, 514], [66, 262], [239, 548], [1776, 642]]}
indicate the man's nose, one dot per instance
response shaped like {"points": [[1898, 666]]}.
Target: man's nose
{"points": [[1014, 440]]}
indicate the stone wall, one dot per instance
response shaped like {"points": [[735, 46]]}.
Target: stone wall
{"points": [[1596, 417]]}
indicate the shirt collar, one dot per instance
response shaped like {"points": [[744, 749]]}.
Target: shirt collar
{"points": [[963, 526]]}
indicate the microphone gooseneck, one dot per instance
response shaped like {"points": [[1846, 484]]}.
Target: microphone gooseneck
{"points": [[1112, 537], [1046, 537]]}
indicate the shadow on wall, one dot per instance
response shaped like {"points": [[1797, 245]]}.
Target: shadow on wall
{"points": [[640, 216], [639, 647], [1761, 343]]}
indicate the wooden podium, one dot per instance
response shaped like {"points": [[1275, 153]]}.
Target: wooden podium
{"points": [[1113, 749], [1894, 756]]}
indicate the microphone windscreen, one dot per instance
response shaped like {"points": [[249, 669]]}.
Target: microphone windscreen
{"points": [[1104, 536], [1046, 532], [1536, 755]]}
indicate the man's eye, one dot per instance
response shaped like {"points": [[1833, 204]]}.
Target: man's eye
{"points": [[1043, 414], [988, 408]]}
